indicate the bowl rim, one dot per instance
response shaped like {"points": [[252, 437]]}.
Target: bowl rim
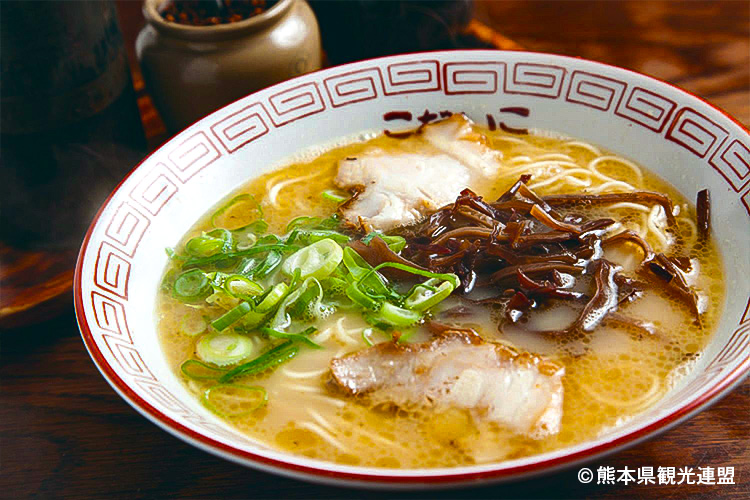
{"points": [[421, 478]]}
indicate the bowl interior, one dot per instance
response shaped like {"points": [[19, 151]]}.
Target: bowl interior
{"points": [[675, 135]]}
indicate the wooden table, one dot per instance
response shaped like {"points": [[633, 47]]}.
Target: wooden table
{"points": [[64, 432]]}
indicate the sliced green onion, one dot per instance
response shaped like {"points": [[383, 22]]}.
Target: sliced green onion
{"points": [[255, 228], [395, 243], [246, 266], [272, 298], [283, 317], [269, 239], [291, 237], [317, 260], [334, 196], [173, 255], [204, 246], [249, 241], [306, 222], [302, 221], [405, 336], [198, 370], [331, 222], [311, 302], [242, 287], [272, 261], [424, 296], [365, 276], [167, 283], [354, 292], [356, 265], [298, 337], [449, 277], [211, 243], [314, 235], [224, 235], [224, 349], [269, 359], [234, 201], [255, 250], [230, 317], [216, 279], [365, 337], [222, 299], [370, 236], [334, 286], [192, 324], [191, 286], [219, 397], [395, 315]]}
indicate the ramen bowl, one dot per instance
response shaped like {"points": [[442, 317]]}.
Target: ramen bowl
{"points": [[676, 135]]}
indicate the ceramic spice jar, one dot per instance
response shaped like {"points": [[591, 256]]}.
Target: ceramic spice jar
{"points": [[191, 71]]}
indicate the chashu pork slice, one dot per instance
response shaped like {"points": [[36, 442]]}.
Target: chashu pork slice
{"points": [[458, 369], [398, 189], [401, 188], [456, 138]]}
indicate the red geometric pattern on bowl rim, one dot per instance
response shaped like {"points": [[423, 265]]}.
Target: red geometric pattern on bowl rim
{"points": [[541, 80], [595, 91], [242, 127], [108, 296], [192, 155], [695, 132], [412, 77], [481, 77], [155, 190], [639, 106], [354, 86], [298, 102]]}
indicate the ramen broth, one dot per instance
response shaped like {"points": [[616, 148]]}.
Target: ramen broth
{"points": [[611, 374]]}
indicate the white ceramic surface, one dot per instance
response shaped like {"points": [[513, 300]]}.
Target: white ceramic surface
{"points": [[676, 135]]}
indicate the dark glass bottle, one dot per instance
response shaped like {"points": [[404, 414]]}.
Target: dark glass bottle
{"points": [[69, 122]]}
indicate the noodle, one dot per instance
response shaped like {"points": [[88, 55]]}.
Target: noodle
{"points": [[301, 375], [519, 159], [632, 166], [327, 426], [632, 405], [273, 188], [304, 388], [327, 399], [323, 335], [693, 239], [325, 435], [344, 336], [630, 206], [555, 156], [656, 225], [583, 145], [388, 442], [509, 138], [565, 177], [611, 187]]}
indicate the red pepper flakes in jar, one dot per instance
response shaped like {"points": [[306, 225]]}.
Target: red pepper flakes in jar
{"points": [[212, 12]]}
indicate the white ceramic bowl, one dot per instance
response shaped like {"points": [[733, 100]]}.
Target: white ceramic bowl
{"points": [[679, 136]]}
